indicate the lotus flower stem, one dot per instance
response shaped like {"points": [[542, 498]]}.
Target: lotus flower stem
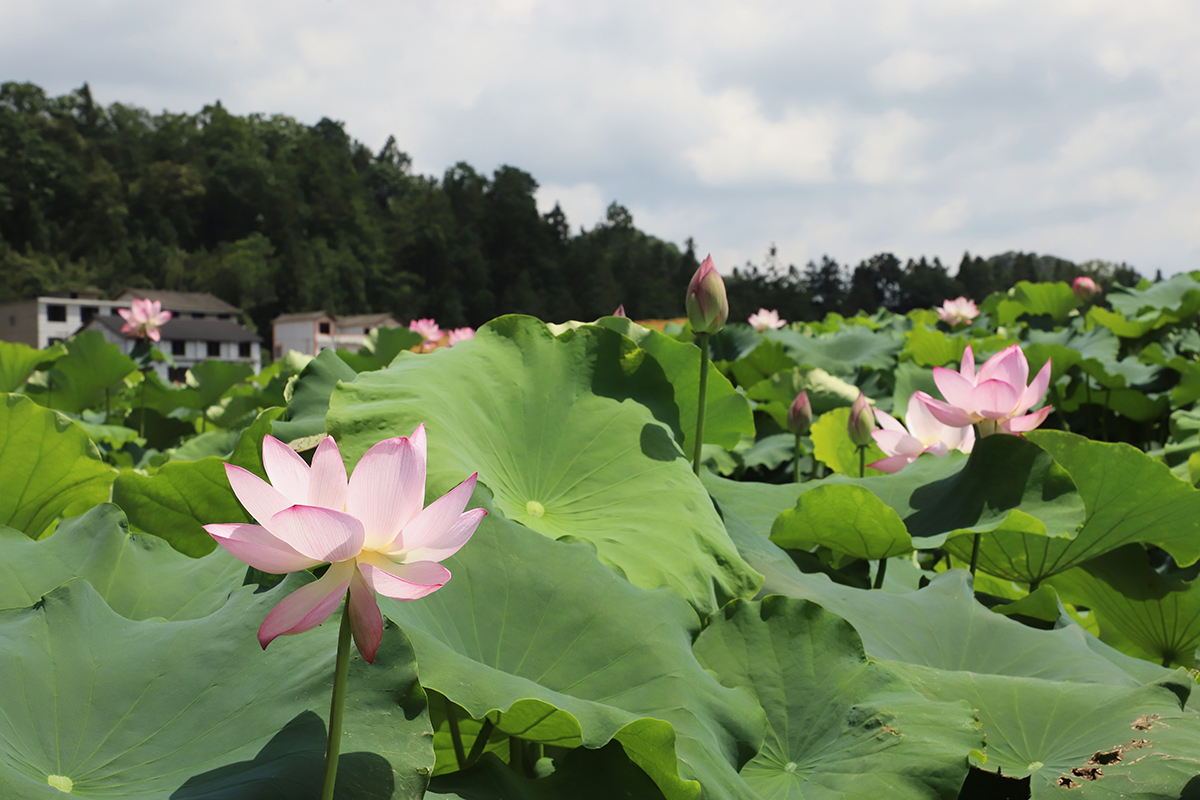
{"points": [[796, 459], [975, 553], [702, 341], [340, 674], [1166, 660], [142, 420], [1104, 415], [460, 753], [880, 571], [862, 462], [481, 740]]}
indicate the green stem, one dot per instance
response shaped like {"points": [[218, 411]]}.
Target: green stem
{"points": [[1033, 586], [460, 753], [796, 458], [516, 755], [702, 341], [975, 553], [142, 429], [340, 673], [1104, 418], [481, 740], [1166, 661], [862, 462], [880, 571]]}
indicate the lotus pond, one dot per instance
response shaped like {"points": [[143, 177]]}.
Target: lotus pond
{"points": [[617, 626]]}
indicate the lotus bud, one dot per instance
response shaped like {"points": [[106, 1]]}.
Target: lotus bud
{"points": [[800, 415], [862, 422], [1085, 288], [620, 312], [706, 301]]}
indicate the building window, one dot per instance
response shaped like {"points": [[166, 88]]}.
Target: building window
{"points": [[279, 351], [323, 327], [222, 316], [112, 312], [243, 349], [366, 330], [12, 319], [53, 340], [214, 349], [177, 374], [178, 347], [197, 316], [87, 312], [56, 313]]}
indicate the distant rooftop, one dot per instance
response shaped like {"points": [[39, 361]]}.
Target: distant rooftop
{"points": [[184, 302], [364, 320], [302, 316], [191, 330]]}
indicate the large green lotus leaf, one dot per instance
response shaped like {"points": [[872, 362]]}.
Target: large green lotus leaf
{"points": [[49, 467], [163, 398], [309, 401], [761, 363], [195, 708], [727, 415], [756, 503], [843, 353], [18, 360], [1129, 498], [1178, 293], [1133, 328], [580, 774], [933, 348], [1054, 299], [540, 636], [91, 366], [910, 379], [838, 725], [846, 519], [553, 428], [1160, 618], [832, 445], [380, 348], [825, 392], [1120, 374], [1073, 740], [183, 496], [138, 576], [212, 378]]}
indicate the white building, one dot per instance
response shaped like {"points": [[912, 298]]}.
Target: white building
{"points": [[310, 332], [190, 341], [47, 320]]}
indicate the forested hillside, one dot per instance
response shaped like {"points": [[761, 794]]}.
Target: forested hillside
{"points": [[276, 216]]}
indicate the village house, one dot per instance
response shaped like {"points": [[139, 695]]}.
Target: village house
{"points": [[310, 332]]}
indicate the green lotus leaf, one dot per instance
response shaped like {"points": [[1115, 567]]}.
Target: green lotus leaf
{"points": [[92, 366], [537, 635], [108, 706], [555, 428], [183, 496], [933, 348], [846, 519], [838, 725], [1129, 498], [581, 774], [825, 392], [761, 363], [17, 360], [1057, 300], [732, 343], [1151, 616], [51, 467], [843, 353], [1180, 294], [309, 400], [138, 576], [727, 415], [910, 379], [163, 398], [756, 503], [832, 445], [1072, 740], [380, 348], [1128, 328], [213, 378]]}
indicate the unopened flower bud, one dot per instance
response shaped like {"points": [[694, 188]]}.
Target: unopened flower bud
{"points": [[1085, 287], [800, 415], [862, 422], [706, 301]]}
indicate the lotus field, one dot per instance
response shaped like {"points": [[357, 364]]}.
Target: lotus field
{"points": [[947, 554]]}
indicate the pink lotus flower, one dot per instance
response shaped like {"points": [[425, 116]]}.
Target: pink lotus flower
{"points": [[429, 331], [706, 301], [958, 311], [144, 318], [371, 530], [766, 320], [996, 397], [459, 335], [1084, 287], [620, 312], [924, 434]]}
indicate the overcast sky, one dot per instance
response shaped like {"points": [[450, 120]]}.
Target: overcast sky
{"points": [[826, 127]]}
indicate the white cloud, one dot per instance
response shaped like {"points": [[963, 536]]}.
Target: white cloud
{"points": [[889, 150], [583, 203], [912, 71]]}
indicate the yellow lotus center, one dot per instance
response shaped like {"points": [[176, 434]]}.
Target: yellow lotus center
{"points": [[61, 782], [534, 509]]}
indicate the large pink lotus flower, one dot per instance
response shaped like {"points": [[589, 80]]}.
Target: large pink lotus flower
{"points": [[144, 318], [429, 331], [958, 311], [924, 434], [459, 335], [766, 320], [371, 530], [996, 398]]}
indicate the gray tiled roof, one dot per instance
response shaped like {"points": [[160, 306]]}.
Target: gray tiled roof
{"points": [[183, 301], [191, 330]]}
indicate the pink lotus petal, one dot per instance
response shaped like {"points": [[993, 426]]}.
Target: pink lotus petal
{"points": [[938, 449], [954, 387], [966, 367], [427, 528], [387, 488], [320, 533], [327, 484], [1036, 390], [944, 412], [366, 621], [892, 464], [1008, 366], [258, 547], [451, 540], [260, 499], [419, 441], [286, 469], [402, 581], [895, 442], [921, 423], [126, 315], [1027, 422], [153, 333], [308, 606], [888, 422], [994, 399], [961, 439]]}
